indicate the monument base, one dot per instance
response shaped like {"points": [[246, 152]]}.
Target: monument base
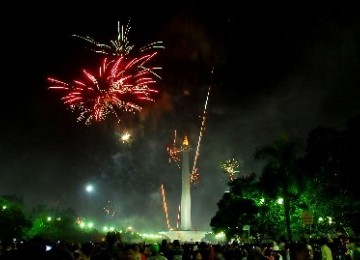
{"points": [[184, 236]]}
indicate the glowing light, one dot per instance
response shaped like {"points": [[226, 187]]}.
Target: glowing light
{"points": [[230, 167], [220, 235], [90, 225], [89, 188], [108, 229], [186, 141], [125, 138], [330, 220]]}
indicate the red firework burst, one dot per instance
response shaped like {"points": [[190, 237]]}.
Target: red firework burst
{"points": [[118, 87]]}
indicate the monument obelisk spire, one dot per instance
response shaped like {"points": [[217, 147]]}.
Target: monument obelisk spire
{"points": [[185, 208]]}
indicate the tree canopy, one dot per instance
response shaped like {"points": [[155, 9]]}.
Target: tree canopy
{"points": [[316, 177]]}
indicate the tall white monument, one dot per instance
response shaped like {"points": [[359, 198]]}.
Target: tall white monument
{"points": [[185, 231], [185, 208]]}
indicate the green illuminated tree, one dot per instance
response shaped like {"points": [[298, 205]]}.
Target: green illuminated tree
{"points": [[53, 223], [233, 214], [332, 158], [13, 221], [281, 175], [246, 205]]}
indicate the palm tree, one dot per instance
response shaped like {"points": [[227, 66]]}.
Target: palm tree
{"points": [[281, 175]]}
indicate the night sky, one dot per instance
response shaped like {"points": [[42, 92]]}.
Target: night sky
{"points": [[277, 68]]}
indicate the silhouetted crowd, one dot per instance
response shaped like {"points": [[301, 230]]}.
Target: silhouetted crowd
{"points": [[112, 248]]}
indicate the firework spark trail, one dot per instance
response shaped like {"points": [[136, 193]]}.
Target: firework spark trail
{"points": [[178, 218], [118, 86], [165, 207], [121, 45], [174, 141], [194, 173]]}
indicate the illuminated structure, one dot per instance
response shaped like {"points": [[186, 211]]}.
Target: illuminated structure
{"points": [[185, 210], [184, 232]]}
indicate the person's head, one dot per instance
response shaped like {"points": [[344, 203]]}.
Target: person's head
{"points": [[176, 243], [112, 237], [164, 243]]}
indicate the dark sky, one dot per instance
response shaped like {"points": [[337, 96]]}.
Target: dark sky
{"points": [[277, 68]]}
